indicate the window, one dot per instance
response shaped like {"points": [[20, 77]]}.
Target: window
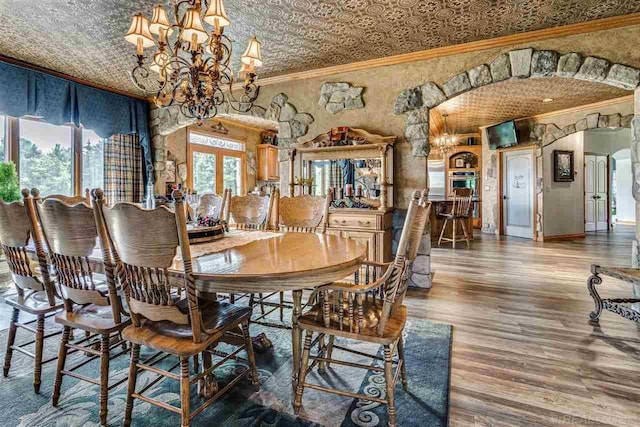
{"points": [[215, 164], [3, 137], [92, 160], [46, 157]]}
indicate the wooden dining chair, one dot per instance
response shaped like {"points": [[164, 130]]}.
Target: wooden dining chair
{"points": [[250, 212], [35, 289], [71, 200], [168, 316], [367, 310], [300, 214], [212, 205], [91, 302], [304, 214], [460, 213]]}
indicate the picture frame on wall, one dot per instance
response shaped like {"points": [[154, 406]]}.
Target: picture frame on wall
{"points": [[563, 166]]}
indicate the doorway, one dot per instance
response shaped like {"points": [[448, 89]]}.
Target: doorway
{"points": [[596, 192], [517, 193]]}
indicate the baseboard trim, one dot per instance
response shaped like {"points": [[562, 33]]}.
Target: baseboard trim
{"points": [[563, 237]]}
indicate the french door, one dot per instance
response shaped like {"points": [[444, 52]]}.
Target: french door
{"points": [[211, 170], [596, 197]]}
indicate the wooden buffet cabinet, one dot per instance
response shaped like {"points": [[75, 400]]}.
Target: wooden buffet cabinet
{"points": [[369, 226], [268, 163]]}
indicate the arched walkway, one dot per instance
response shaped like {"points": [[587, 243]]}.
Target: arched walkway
{"points": [[516, 64]]}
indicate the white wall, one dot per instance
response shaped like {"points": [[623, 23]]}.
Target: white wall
{"points": [[564, 201], [625, 205], [606, 141]]}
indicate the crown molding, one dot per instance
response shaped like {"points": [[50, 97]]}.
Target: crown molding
{"points": [[513, 39], [34, 67], [600, 104]]}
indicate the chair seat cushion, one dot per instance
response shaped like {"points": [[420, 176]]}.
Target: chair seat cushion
{"points": [[372, 312], [217, 318], [33, 302], [92, 318]]}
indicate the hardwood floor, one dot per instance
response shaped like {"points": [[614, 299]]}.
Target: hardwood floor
{"points": [[523, 350]]}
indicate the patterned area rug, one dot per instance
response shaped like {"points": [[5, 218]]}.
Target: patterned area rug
{"points": [[428, 350]]}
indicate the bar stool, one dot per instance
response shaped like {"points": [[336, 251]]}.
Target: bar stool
{"points": [[460, 213]]}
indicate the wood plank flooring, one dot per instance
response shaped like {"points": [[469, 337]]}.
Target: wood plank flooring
{"points": [[523, 350]]}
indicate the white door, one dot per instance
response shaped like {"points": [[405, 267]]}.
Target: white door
{"points": [[517, 193], [596, 175]]}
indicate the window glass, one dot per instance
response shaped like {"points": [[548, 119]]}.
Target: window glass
{"points": [[46, 157], [92, 160], [196, 138], [204, 172], [232, 174], [3, 138]]}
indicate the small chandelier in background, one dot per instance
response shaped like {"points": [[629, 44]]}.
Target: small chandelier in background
{"points": [[445, 142], [192, 62]]}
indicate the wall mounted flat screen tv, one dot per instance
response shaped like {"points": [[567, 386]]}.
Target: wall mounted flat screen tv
{"points": [[502, 135]]}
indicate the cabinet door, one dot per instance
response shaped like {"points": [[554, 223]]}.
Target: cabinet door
{"points": [[367, 239], [263, 163], [274, 164]]}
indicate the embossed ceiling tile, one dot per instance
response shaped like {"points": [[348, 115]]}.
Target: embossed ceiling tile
{"points": [[513, 99], [85, 39]]}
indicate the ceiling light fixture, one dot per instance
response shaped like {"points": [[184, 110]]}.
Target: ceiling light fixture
{"points": [[192, 59], [546, 100], [445, 142]]}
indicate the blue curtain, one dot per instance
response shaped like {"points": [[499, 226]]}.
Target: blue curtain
{"points": [[59, 101]]}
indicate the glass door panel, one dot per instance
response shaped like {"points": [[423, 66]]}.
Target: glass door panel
{"points": [[232, 174], [204, 172]]}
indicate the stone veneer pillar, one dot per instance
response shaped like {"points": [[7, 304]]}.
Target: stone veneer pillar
{"points": [[635, 170]]}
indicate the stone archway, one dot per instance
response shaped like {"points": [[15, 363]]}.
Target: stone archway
{"points": [[166, 120], [517, 64]]}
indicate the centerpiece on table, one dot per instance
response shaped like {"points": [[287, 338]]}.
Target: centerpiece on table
{"points": [[203, 228]]}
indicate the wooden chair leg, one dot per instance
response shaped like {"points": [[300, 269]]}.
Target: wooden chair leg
{"points": [[11, 339], [322, 349], [185, 392], [133, 376], [454, 222], [444, 227], [403, 368], [330, 350], [282, 306], [255, 379], [261, 303], [388, 378], [464, 230], [232, 298], [62, 357], [37, 372], [297, 403], [104, 377], [196, 362]]}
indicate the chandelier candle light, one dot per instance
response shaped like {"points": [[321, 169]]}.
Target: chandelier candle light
{"points": [[191, 61], [445, 142]]}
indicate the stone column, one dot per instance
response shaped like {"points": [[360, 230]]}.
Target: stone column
{"points": [[635, 170]]}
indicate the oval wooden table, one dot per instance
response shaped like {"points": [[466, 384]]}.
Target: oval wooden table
{"points": [[284, 262]]}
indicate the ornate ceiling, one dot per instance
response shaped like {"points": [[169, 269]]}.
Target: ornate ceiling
{"points": [[512, 99], [85, 38]]}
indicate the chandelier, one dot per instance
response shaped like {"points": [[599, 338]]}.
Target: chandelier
{"points": [[192, 59], [445, 142]]}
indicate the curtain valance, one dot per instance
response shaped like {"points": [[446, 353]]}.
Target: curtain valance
{"points": [[59, 101]]}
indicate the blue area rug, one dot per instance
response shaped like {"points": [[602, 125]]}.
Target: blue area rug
{"points": [[428, 352]]}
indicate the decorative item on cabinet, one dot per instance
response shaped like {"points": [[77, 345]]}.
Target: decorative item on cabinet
{"points": [[361, 210], [268, 163], [269, 137]]}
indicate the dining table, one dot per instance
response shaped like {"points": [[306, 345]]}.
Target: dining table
{"points": [[257, 261]]}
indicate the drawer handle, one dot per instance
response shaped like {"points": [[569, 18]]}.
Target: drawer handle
{"points": [[364, 222]]}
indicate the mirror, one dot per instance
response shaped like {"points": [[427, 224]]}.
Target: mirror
{"points": [[362, 174]]}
